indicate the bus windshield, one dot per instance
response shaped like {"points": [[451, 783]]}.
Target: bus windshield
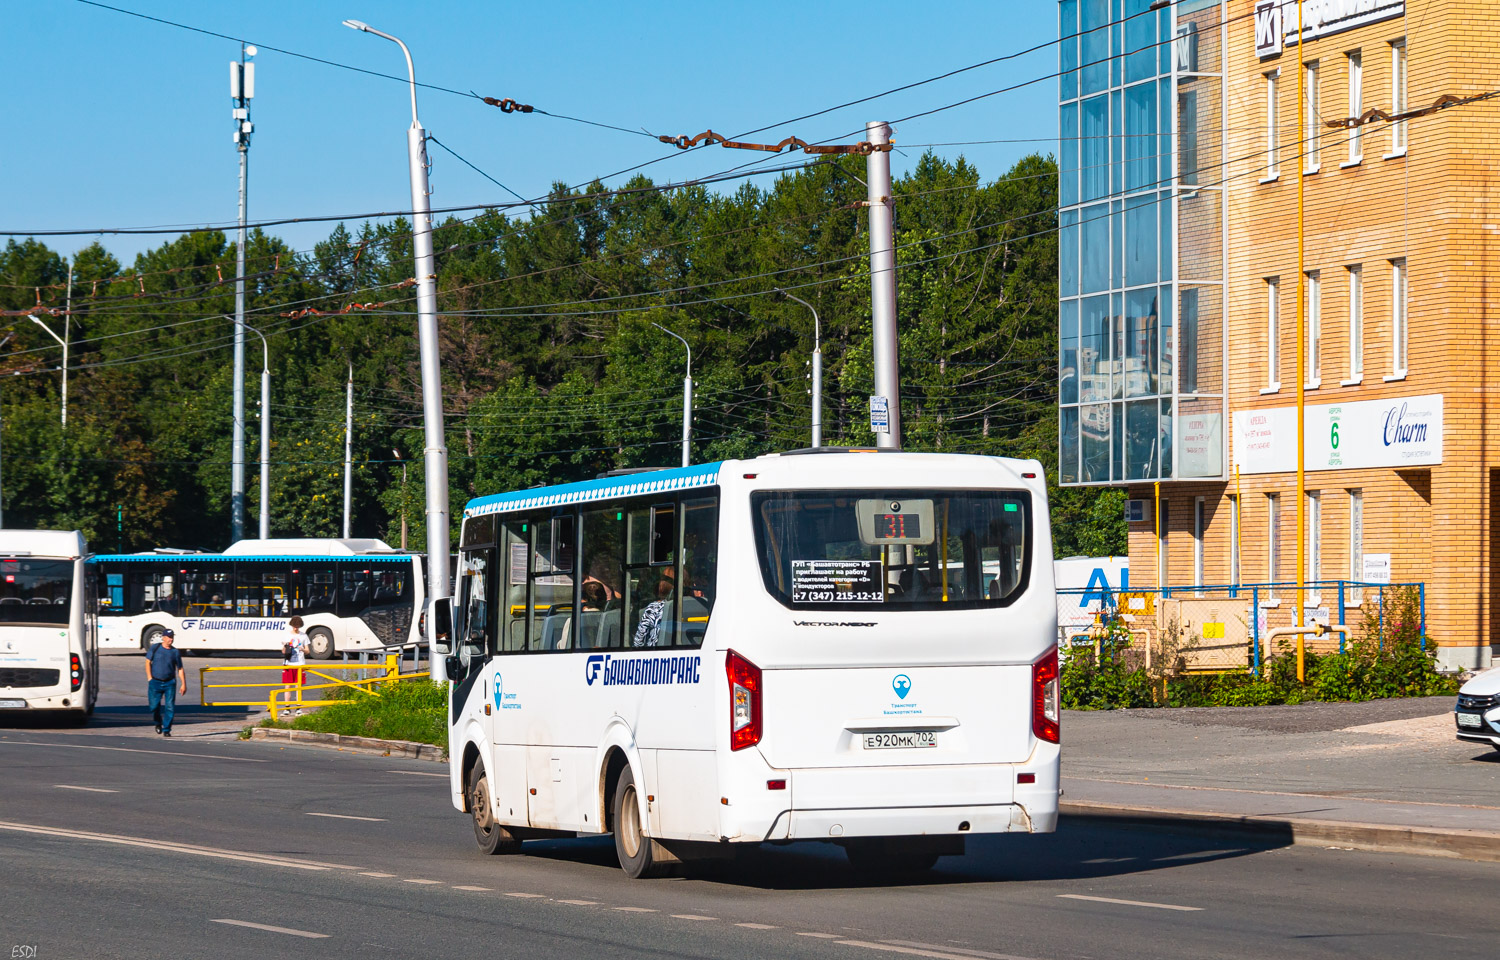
{"points": [[912, 549], [35, 591]]}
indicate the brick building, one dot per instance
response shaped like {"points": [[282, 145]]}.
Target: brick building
{"points": [[1180, 159]]}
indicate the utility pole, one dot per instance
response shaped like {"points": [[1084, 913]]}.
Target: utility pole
{"points": [[817, 371], [397, 454], [2, 431], [265, 434], [241, 91], [67, 337], [436, 450], [883, 288], [687, 398], [348, 447]]}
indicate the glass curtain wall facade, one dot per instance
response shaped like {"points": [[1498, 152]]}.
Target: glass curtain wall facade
{"points": [[1141, 241]]}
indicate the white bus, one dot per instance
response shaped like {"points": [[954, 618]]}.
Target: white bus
{"points": [[352, 595], [846, 646], [49, 644]]}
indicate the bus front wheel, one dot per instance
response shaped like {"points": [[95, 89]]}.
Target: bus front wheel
{"points": [[640, 857], [320, 643], [492, 838]]}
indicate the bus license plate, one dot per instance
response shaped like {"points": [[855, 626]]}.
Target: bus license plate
{"points": [[898, 739], [12, 704], [1469, 720]]}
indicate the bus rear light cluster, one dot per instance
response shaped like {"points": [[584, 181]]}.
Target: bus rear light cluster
{"points": [[744, 701], [1044, 698], [75, 667]]}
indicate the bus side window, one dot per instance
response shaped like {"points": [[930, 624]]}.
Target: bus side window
{"points": [[354, 591], [699, 568], [515, 545], [602, 591]]}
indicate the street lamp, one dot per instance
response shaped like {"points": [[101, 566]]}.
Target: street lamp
{"points": [[436, 453], [64, 341], [397, 454], [265, 433], [687, 396], [817, 370]]}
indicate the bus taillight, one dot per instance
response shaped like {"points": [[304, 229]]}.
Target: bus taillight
{"points": [[1044, 698], [744, 701], [76, 667]]}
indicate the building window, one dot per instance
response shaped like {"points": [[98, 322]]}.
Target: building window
{"points": [[1356, 66], [1356, 324], [1273, 135], [1234, 539], [1198, 544], [1310, 121], [1162, 518], [1314, 536], [1398, 96], [1273, 540], [1273, 334], [1356, 544], [1398, 317], [1314, 329]]}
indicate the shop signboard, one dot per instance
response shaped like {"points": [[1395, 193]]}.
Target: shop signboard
{"points": [[1283, 22], [1399, 432]]}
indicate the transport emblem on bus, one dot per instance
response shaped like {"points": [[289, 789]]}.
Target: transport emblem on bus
{"points": [[902, 685]]}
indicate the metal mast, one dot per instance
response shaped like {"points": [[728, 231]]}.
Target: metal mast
{"points": [[883, 283], [241, 90]]}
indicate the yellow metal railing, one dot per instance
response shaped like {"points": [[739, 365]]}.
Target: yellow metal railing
{"points": [[280, 697]]}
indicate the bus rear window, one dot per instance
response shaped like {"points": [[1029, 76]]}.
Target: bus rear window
{"points": [[912, 549], [35, 591]]}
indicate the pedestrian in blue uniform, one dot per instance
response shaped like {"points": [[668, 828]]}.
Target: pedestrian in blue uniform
{"points": [[165, 679]]}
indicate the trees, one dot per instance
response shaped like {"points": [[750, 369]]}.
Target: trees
{"points": [[552, 368]]}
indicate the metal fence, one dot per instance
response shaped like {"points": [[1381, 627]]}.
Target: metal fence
{"points": [[1224, 626]]}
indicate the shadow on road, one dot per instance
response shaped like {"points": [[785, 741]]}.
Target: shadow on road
{"points": [[125, 716], [1079, 850]]}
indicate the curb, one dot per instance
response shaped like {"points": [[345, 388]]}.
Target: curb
{"points": [[1370, 837], [339, 741]]}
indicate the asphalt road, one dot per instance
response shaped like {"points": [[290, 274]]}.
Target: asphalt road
{"points": [[130, 846]]}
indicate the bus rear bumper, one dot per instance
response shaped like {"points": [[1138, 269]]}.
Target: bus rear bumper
{"points": [[909, 822], [15, 702]]}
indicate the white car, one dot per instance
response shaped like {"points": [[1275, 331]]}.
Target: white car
{"points": [[1478, 710]]}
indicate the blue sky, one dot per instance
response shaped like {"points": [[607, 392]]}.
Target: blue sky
{"points": [[117, 121]]}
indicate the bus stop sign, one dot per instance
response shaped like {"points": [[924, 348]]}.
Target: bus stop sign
{"points": [[880, 414]]}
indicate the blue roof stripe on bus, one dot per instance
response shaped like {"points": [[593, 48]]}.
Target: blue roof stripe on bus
{"points": [[657, 481], [216, 558]]}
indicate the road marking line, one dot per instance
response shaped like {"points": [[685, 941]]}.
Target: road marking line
{"points": [[419, 773], [635, 909], [422, 881], [345, 816], [168, 846], [165, 753], [1127, 903], [265, 926], [527, 896], [581, 903], [965, 951], [69, 786], [822, 936], [757, 926], [889, 947], [383, 876], [691, 916], [475, 889]]}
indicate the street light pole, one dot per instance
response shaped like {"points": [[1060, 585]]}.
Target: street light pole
{"points": [[817, 371], [687, 398], [64, 341], [397, 454], [436, 450], [265, 434]]}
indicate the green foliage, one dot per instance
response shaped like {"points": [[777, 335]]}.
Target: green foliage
{"points": [[1382, 662], [552, 370], [414, 710]]}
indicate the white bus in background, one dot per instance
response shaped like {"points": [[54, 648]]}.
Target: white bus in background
{"points": [[352, 595], [846, 646], [49, 649]]}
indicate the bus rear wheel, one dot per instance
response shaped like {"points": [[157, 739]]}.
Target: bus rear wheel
{"points": [[320, 643], [151, 636], [492, 838], [640, 857]]}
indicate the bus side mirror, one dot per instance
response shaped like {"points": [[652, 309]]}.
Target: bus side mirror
{"points": [[440, 625]]}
